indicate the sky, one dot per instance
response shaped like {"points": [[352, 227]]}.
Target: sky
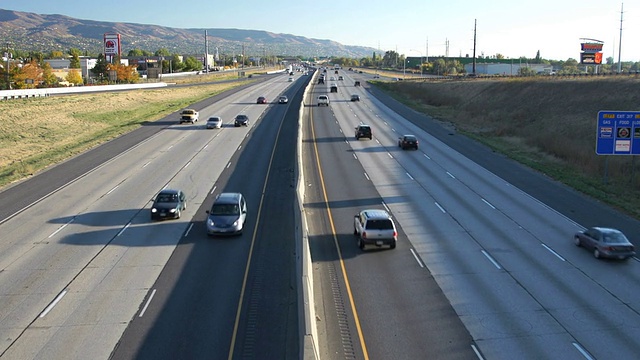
{"points": [[411, 27]]}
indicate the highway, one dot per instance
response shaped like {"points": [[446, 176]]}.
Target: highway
{"points": [[83, 260], [516, 285]]}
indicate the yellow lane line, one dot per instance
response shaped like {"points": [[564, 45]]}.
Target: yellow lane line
{"points": [[335, 241]]}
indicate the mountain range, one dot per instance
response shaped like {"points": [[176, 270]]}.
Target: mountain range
{"points": [[45, 33]]}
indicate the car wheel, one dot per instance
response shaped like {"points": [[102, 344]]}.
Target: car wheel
{"points": [[360, 244], [393, 245], [184, 206], [178, 214], [576, 240], [596, 253], [355, 231]]}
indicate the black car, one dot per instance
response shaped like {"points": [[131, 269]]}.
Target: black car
{"points": [[363, 131], [261, 100], [169, 204], [605, 242], [241, 120], [408, 142]]}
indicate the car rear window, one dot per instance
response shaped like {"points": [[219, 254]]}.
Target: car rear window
{"points": [[384, 224]]}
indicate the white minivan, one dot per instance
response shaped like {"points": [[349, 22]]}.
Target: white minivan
{"points": [[323, 100]]}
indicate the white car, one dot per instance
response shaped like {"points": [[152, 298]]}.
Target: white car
{"points": [[283, 100], [214, 122], [290, 79]]}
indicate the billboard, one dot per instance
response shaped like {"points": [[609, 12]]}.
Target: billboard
{"points": [[591, 59], [112, 44], [591, 53]]}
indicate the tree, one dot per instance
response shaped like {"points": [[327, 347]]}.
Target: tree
{"points": [[162, 52], [48, 78], [74, 77], [192, 64], [125, 73], [100, 69], [56, 54], [526, 71], [29, 76], [538, 59], [135, 52], [74, 63]]}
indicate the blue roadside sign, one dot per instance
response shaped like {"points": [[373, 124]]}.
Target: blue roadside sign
{"points": [[618, 133]]}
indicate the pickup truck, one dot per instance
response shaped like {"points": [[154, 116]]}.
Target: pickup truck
{"points": [[189, 115]]}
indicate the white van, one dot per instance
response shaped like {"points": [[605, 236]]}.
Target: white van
{"points": [[323, 100]]}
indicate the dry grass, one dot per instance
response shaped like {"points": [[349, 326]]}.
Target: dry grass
{"points": [[38, 132], [546, 123]]}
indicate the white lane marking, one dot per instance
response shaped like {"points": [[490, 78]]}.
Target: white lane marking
{"points": [[427, 156], [495, 263], [61, 227], [145, 165], [340, 130], [189, 229], [239, 147], [146, 305], [475, 350], [553, 252], [582, 351], [450, 174], [189, 163], [378, 141], [229, 164], [169, 148], [488, 203], [53, 303], [440, 207], [391, 156], [355, 156], [410, 177], [206, 146], [386, 207], [417, 259], [212, 190], [367, 176], [123, 229], [112, 190]]}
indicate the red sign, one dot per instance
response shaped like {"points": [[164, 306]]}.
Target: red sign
{"points": [[592, 47], [111, 44]]}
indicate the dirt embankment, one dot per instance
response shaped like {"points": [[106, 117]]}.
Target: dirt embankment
{"points": [[547, 123]]}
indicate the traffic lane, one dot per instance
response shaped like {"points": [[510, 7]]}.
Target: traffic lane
{"points": [[572, 204], [21, 195], [191, 266], [92, 231], [377, 273], [570, 289], [98, 234]]}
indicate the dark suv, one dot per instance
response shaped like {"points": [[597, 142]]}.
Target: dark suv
{"points": [[363, 131]]}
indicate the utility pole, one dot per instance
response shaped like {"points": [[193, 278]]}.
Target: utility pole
{"points": [[206, 52], [8, 55], [475, 24], [620, 43]]}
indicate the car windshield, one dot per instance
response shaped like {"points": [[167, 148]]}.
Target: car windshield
{"points": [[167, 198], [214, 119], [379, 225], [613, 237], [225, 209]]}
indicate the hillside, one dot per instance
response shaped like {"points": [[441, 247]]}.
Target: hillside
{"points": [[546, 123], [44, 33]]}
